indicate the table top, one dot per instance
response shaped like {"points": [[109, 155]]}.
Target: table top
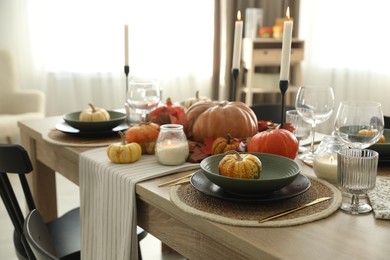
{"points": [[340, 235]]}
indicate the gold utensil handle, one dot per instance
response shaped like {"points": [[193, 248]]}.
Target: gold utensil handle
{"points": [[175, 180], [293, 210]]}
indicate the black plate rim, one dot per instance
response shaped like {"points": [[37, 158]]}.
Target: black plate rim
{"points": [[219, 193], [68, 129]]}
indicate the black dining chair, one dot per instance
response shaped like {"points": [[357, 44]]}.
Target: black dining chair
{"points": [[271, 112], [60, 238]]}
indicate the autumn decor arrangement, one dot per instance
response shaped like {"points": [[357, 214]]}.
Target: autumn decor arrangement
{"points": [[169, 113], [124, 152]]}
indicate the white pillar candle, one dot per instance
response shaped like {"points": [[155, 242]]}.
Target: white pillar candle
{"points": [[237, 42], [126, 44], [172, 152], [286, 47], [326, 168]]}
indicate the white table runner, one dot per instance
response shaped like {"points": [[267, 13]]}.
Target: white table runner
{"points": [[108, 211]]}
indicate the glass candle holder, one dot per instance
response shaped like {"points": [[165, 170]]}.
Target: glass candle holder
{"points": [[171, 146], [325, 159]]}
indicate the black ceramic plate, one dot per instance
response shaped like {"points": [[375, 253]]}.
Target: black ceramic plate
{"points": [[116, 118], [200, 182], [65, 128]]}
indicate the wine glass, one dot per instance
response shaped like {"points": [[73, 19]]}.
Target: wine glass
{"points": [[301, 127], [359, 124], [143, 96], [315, 105]]}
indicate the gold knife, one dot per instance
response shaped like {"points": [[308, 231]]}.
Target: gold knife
{"points": [[293, 210]]}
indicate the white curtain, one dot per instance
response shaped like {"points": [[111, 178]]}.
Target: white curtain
{"points": [[347, 47], [74, 49]]}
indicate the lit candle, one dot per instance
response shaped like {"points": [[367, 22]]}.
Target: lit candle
{"points": [[237, 42], [286, 47], [172, 152], [326, 168], [126, 44]]}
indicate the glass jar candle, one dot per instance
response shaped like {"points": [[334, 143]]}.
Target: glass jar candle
{"points": [[325, 159], [171, 146]]}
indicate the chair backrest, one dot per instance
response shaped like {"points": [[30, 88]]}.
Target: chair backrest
{"points": [[38, 236], [271, 112], [14, 160]]}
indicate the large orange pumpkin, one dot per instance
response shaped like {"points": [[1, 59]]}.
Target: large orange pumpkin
{"points": [[275, 141], [218, 119]]}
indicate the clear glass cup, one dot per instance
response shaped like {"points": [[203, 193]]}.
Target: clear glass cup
{"points": [[356, 174], [301, 127], [171, 145], [315, 105]]}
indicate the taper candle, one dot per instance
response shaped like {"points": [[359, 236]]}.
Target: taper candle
{"points": [[126, 44], [286, 47], [237, 42]]}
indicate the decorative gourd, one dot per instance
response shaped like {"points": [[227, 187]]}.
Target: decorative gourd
{"points": [[192, 100], [218, 119], [244, 166], [145, 134], [222, 145], [274, 141], [124, 152], [94, 114], [168, 114]]}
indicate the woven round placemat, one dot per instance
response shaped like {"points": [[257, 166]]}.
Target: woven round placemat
{"points": [[59, 138], [194, 202]]}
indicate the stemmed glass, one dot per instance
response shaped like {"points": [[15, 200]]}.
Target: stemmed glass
{"points": [[301, 127], [143, 96], [359, 124], [315, 105]]}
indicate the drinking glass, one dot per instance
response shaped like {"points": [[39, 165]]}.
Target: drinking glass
{"points": [[143, 95], [301, 128], [356, 174], [315, 105], [359, 123]]}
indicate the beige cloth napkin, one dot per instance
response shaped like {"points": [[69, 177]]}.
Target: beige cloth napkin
{"points": [[380, 198], [108, 211]]}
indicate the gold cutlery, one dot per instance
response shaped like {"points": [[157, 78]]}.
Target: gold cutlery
{"points": [[181, 180], [294, 209]]}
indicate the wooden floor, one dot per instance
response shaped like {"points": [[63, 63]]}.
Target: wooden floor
{"points": [[68, 198]]}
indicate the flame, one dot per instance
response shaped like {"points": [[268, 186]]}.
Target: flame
{"points": [[239, 15], [288, 12]]}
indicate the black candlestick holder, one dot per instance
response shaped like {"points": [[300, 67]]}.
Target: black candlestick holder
{"points": [[283, 85], [235, 73], [127, 108]]}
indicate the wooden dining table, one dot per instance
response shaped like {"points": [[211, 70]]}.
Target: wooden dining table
{"points": [[338, 236]]}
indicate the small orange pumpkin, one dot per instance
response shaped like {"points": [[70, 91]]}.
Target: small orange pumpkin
{"points": [[124, 152], [222, 145], [244, 166], [274, 141], [145, 134]]}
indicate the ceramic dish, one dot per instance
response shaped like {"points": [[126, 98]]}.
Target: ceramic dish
{"points": [[384, 148], [200, 182], [116, 118], [277, 172], [67, 129]]}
